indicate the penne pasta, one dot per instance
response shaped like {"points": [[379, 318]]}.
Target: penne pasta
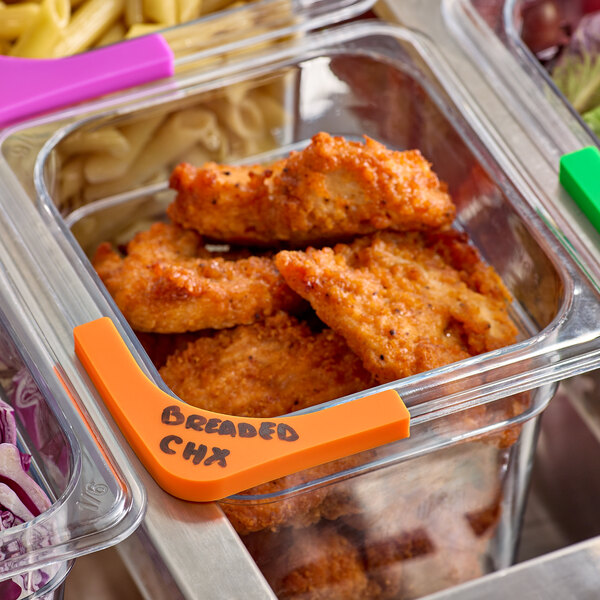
{"points": [[234, 94], [54, 28], [134, 12], [103, 167], [244, 118], [114, 34], [15, 19], [209, 6], [143, 29], [161, 11], [71, 179], [90, 21], [100, 167], [274, 113], [46, 31], [178, 134], [188, 10], [107, 139], [197, 156]]}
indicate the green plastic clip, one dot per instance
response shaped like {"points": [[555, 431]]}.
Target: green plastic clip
{"points": [[579, 174]]}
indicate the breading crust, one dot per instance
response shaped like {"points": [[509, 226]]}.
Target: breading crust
{"points": [[169, 283], [404, 302], [331, 190]]}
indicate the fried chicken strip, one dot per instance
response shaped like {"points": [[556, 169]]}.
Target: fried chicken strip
{"points": [[332, 190], [316, 563], [405, 303], [265, 370], [169, 283]]}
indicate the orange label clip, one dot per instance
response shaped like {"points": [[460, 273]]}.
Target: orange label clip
{"points": [[199, 455]]}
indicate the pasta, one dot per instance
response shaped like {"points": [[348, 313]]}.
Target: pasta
{"points": [[114, 34], [88, 24], [189, 9], [15, 19], [134, 12], [71, 177], [102, 162], [180, 132], [104, 166], [55, 28], [107, 139], [245, 118], [143, 29], [161, 11], [45, 32]]}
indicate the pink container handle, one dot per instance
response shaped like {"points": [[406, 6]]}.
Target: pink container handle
{"points": [[32, 86]]}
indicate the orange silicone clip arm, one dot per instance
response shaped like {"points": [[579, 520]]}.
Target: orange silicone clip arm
{"points": [[199, 455]]}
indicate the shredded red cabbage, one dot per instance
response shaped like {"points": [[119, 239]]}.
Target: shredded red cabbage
{"points": [[21, 498]]}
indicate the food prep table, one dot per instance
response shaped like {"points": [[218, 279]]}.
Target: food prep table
{"points": [[558, 551]]}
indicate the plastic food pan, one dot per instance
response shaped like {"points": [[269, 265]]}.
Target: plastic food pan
{"points": [[404, 519]]}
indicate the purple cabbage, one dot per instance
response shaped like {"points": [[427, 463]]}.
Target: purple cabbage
{"points": [[10, 590], [30, 407], [8, 431], [14, 477], [21, 498]]}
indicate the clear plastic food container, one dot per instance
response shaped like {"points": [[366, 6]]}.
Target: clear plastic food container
{"points": [[401, 520], [544, 55], [59, 28], [134, 42], [558, 44], [64, 491]]}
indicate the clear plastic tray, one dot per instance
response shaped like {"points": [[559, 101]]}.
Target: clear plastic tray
{"points": [[96, 498], [476, 418], [55, 29], [474, 21]]}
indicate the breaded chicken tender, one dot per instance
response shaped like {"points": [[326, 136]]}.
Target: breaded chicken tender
{"points": [[265, 369], [301, 509], [404, 302], [332, 190], [311, 564], [169, 283]]}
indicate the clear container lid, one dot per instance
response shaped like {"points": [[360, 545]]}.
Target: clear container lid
{"points": [[556, 315], [49, 31]]}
